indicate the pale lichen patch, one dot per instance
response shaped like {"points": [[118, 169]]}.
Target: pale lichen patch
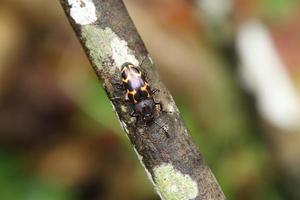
{"points": [[121, 53], [83, 11], [98, 40], [124, 108], [140, 157], [104, 44], [173, 185], [171, 108]]}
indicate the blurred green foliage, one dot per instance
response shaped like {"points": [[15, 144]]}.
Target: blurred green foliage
{"points": [[17, 183], [278, 9]]}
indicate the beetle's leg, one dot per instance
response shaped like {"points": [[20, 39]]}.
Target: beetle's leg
{"points": [[160, 106], [154, 90], [118, 85], [140, 65], [127, 100], [136, 120], [137, 116], [143, 61], [133, 114]]}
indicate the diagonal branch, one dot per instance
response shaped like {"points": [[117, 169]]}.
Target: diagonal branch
{"points": [[164, 147]]}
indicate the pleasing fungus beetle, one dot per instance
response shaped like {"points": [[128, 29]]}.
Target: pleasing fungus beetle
{"points": [[138, 92]]}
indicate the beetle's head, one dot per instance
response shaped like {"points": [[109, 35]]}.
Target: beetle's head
{"points": [[145, 109]]}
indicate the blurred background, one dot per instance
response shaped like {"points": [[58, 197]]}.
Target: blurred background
{"points": [[233, 67]]}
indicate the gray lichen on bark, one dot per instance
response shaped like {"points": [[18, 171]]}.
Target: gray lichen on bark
{"points": [[172, 161]]}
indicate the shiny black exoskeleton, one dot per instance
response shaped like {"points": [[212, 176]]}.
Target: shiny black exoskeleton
{"points": [[138, 92]]}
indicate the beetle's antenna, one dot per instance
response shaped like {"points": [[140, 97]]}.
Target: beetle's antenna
{"points": [[143, 61]]}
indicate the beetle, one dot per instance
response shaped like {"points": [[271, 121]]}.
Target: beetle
{"points": [[138, 93]]}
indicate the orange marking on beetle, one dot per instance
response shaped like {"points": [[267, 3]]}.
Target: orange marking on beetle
{"points": [[133, 93], [144, 88], [125, 80]]}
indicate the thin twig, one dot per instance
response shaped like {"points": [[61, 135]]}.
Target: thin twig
{"points": [[164, 147]]}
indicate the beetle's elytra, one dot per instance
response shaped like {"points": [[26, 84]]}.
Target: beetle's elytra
{"points": [[138, 92]]}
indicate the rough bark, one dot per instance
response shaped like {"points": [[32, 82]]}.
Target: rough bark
{"points": [[171, 160]]}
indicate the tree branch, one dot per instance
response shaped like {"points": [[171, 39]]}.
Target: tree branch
{"points": [[164, 147]]}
